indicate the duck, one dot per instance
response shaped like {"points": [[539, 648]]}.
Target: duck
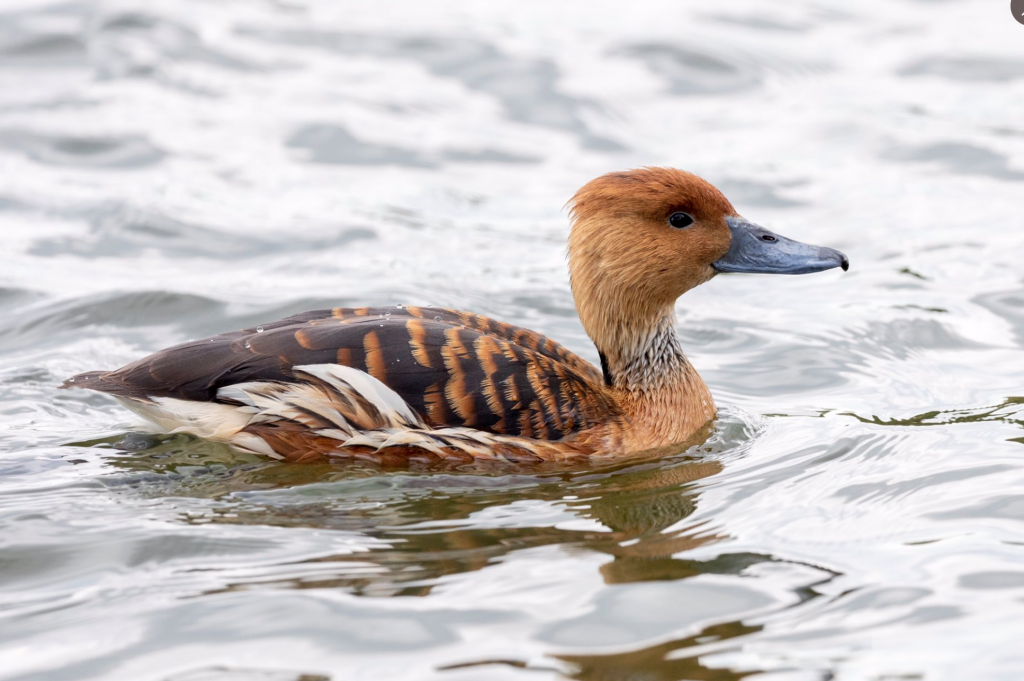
{"points": [[401, 384]]}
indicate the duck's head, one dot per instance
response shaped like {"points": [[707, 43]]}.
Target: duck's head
{"points": [[642, 238]]}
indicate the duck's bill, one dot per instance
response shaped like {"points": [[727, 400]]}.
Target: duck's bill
{"points": [[754, 249]]}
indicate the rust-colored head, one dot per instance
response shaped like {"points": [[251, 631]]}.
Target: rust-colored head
{"points": [[633, 249], [642, 238], [651, 233]]}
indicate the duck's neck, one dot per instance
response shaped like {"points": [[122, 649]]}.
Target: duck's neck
{"points": [[645, 368], [645, 360]]}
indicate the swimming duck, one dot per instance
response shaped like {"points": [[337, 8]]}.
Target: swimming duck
{"points": [[399, 384]]}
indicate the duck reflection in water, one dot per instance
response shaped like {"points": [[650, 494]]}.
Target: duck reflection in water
{"points": [[633, 503], [427, 526]]}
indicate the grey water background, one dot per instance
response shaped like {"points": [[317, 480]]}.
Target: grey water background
{"points": [[172, 169]]}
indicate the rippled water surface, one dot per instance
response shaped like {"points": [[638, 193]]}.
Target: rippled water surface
{"points": [[172, 169]]}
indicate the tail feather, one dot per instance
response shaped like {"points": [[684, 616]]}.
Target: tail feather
{"points": [[90, 380]]}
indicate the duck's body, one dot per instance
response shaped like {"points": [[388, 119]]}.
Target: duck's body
{"points": [[364, 381], [402, 383]]}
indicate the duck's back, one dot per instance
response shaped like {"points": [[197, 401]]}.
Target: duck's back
{"points": [[452, 369]]}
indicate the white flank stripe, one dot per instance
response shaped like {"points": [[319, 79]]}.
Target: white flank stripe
{"points": [[345, 379], [269, 401], [203, 419]]}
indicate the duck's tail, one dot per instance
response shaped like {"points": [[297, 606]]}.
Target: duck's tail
{"points": [[90, 380]]}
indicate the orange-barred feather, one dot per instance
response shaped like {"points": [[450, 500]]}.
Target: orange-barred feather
{"points": [[453, 369]]}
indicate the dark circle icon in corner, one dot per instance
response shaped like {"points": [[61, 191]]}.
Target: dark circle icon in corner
{"points": [[1017, 7]]}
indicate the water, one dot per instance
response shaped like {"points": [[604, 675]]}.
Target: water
{"points": [[176, 169]]}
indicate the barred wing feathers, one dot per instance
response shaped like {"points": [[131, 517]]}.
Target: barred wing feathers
{"points": [[452, 369]]}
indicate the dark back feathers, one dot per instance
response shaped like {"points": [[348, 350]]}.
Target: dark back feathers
{"points": [[453, 368]]}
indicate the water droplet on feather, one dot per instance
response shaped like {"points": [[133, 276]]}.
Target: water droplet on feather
{"points": [[259, 329]]}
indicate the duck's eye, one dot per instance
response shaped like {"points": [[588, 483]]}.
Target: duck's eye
{"points": [[680, 220], [768, 237]]}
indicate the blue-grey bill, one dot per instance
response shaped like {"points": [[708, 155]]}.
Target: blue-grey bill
{"points": [[755, 249]]}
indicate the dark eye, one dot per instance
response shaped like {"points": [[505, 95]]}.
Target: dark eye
{"points": [[680, 220], [767, 237]]}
